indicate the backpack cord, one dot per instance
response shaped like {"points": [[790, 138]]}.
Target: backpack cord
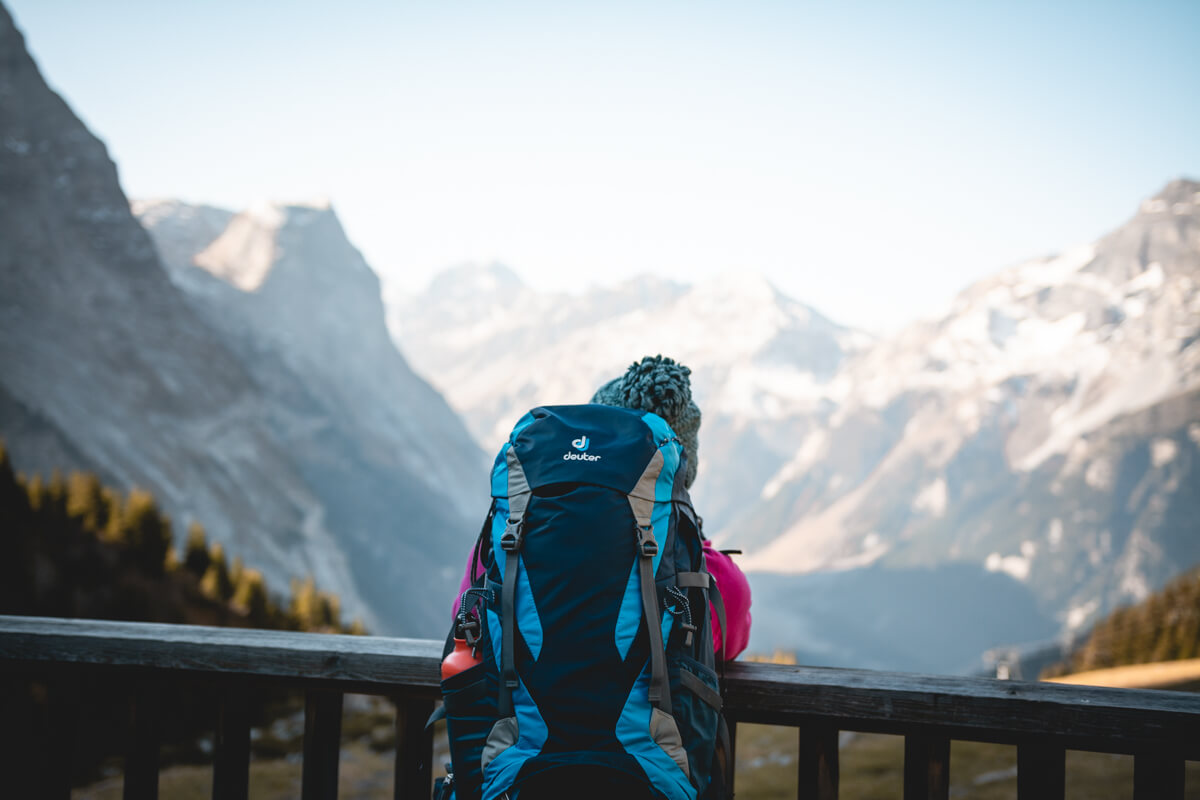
{"points": [[468, 621], [681, 607]]}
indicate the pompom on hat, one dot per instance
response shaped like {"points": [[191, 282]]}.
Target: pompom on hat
{"points": [[662, 386]]}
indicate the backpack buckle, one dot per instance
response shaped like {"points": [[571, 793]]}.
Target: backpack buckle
{"points": [[514, 532], [470, 632], [647, 546]]}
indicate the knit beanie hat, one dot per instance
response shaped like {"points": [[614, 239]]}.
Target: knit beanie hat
{"points": [[662, 386]]}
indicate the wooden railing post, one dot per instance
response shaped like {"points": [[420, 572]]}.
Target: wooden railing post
{"points": [[926, 767], [817, 773], [414, 748], [1041, 771], [732, 765], [231, 757], [64, 696], [322, 745], [1157, 776], [141, 762]]}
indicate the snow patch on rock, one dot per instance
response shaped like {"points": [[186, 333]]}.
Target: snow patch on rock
{"points": [[932, 498]]}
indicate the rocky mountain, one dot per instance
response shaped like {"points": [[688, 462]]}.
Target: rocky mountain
{"points": [[283, 420], [762, 362], [1047, 427], [389, 460], [1044, 431]]}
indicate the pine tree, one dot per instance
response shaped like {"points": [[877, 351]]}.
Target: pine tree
{"points": [[17, 593], [250, 597], [12, 493], [236, 571], [216, 584], [35, 490], [330, 611], [14, 500], [146, 532], [56, 492], [303, 607], [195, 554], [85, 501]]}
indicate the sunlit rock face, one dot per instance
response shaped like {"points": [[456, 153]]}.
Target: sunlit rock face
{"points": [[1046, 428], [400, 478], [762, 363], [280, 451]]}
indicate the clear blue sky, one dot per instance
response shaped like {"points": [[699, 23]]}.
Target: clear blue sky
{"points": [[870, 158]]}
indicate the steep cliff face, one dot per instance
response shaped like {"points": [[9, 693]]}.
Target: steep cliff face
{"points": [[105, 364], [401, 480]]}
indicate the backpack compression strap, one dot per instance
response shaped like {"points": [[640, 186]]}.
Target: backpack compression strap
{"points": [[510, 541], [647, 549]]}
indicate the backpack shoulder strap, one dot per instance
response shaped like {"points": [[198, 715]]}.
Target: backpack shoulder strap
{"points": [[510, 542], [642, 502]]}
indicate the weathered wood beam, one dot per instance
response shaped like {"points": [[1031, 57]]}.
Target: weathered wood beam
{"points": [[978, 709], [371, 663]]}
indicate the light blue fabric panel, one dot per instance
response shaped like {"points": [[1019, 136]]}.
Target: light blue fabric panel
{"points": [[664, 486], [528, 621], [630, 615], [633, 732], [531, 738], [668, 444], [495, 633]]}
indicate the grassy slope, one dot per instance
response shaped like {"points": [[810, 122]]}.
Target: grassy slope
{"points": [[1182, 674]]}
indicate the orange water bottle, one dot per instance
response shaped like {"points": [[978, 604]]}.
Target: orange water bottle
{"points": [[464, 655]]}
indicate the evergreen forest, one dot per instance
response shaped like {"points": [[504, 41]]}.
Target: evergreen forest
{"points": [[74, 547], [1163, 627]]}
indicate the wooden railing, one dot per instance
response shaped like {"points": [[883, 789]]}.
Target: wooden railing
{"points": [[1160, 729]]}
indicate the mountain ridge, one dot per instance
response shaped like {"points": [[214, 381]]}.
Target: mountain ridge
{"points": [[244, 417], [852, 454]]}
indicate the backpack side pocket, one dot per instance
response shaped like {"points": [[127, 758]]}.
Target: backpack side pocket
{"points": [[470, 701], [696, 698]]}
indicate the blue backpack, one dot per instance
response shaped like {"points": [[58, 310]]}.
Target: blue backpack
{"points": [[592, 620]]}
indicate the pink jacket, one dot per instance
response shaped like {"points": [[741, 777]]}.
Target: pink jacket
{"points": [[730, 580]]}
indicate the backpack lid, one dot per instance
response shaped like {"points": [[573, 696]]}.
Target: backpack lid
{"points": [[594, 444]]}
